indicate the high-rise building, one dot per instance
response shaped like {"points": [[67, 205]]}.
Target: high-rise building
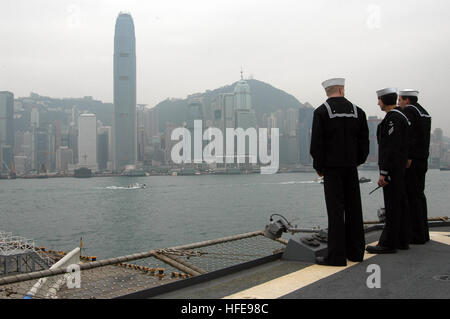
{"points": [[140, 137], [305, 117], [222, 107], [195, 113], [40, 145], [6, 129], [245, 115], [64, 158], [104, 149], [87, 141], [372, 123], [223, 114], [168, 143], [289, 149], [34, 121], [124, 126], [291, 122], [152, 123]]}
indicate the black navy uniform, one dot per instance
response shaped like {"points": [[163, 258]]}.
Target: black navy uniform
{"points": [[415, 174], [393, 144], [339, 143]]}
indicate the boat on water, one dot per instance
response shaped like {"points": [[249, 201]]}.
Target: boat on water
{"points": [[134, 173], [361, 180], [137, 186], [82, 172]]}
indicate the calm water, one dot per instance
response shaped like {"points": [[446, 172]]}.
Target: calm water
{"points": [[173, 210]]}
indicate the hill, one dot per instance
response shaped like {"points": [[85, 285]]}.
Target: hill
{"points": [[265, 99]]}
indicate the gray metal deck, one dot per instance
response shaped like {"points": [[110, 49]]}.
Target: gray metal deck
{"points": [[248, 266], [420, 272]]}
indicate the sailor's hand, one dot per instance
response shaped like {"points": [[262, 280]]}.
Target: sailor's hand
{"points": [[408, 163], [382, 181]]}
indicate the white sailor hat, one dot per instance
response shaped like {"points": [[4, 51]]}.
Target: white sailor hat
{"points": [[333, 82], [408, 92], [386, 91]]}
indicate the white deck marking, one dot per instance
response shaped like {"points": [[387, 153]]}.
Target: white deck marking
{"points": [[286, 284], [441, 237]]}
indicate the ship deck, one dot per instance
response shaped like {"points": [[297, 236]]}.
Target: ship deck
{"points": [[421, 272], [249, 266]]}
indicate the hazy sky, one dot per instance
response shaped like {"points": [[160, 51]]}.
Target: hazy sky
{"points": [[64, 48]]}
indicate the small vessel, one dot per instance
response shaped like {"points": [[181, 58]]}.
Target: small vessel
{"points": [[134, 172], [83, 172], [137, 186]]}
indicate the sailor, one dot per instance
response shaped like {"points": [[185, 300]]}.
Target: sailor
{"points": [[339, 143], [392, 136], [417, 163]]}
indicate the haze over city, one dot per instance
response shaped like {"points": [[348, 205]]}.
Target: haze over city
{"points": [[65, 48]]}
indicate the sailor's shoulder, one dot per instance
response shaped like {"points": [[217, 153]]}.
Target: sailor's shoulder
{"points": [[409, 110], [360, 110], [322, 109], [422, 110], [392, 116]]}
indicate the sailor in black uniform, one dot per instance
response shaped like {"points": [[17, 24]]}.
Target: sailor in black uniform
{"points": [[417, 163], [339, 143], [392, 135]]}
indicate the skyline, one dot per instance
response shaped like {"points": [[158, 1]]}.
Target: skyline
{"points": [[177, 55]]}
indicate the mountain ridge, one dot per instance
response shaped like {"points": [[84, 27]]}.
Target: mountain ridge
{"points": [[266, 99]]}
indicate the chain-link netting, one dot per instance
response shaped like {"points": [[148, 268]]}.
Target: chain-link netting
{"points": [[120, 276]]}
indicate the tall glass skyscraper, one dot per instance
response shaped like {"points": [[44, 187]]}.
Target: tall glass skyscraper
{"points": [[6, 129], [124, 92]]}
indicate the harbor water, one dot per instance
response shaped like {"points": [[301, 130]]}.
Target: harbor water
{"points": [[113, 220]]}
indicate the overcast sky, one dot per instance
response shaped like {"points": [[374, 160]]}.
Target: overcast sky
{"points": [[64, 48]]}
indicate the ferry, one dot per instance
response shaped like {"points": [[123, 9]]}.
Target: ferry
{"points": [[83, 172]]}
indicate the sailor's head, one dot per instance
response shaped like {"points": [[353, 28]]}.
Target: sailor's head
{"points": [[407, 97], [334, 87], [387, 98]]}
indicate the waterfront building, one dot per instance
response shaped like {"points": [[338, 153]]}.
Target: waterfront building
{"points": [[64, 159]]}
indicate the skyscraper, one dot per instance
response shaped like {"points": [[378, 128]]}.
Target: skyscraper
{"points": [[245, 115], [305, 117], [6, 129], [373, 122], [195, 113], [87, 141], [124, 92]]}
